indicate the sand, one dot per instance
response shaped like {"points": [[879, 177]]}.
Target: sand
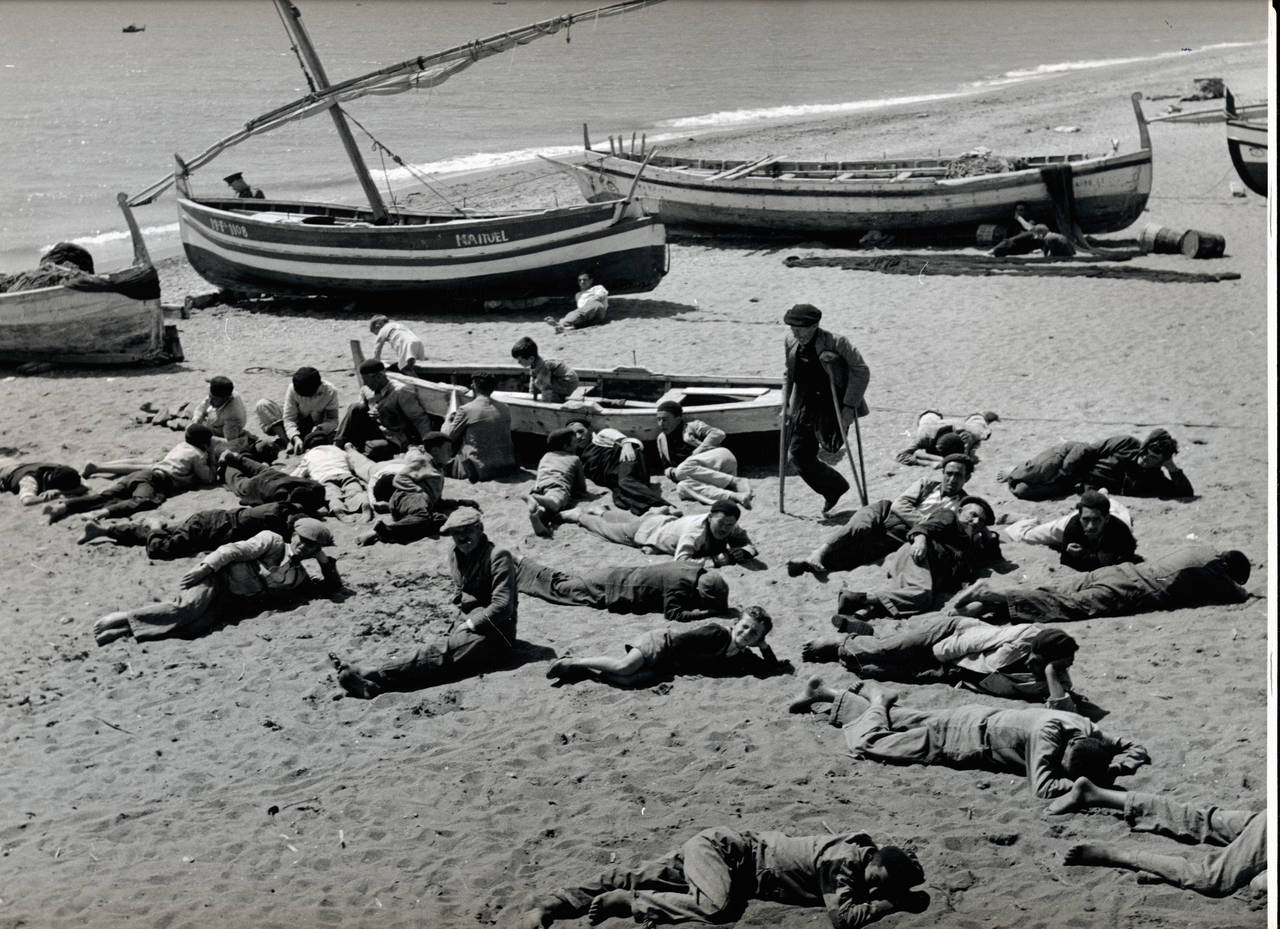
{"points": [[226, 782]]}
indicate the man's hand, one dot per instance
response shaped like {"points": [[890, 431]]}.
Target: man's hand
{"points": [[1074, 548], [628, 452], [295, 445], [195, 575], [920, 550], [740, 555]]}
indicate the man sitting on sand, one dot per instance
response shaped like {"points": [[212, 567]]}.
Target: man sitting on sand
{"points": [[485, 577], [310, 411], [1241, 834], [591, 305], [1188, 576], [682, 591], [404, 344], [660, 653], [1029, 662], [480, 430], [616, 462], [254, 482], [1051, 747], [37, 482], [263, 566], [222, 410], [550, 381], [937, 437], [713, 538], [417, 507], [387, 418], [1121, 464], [200, 532], [1097, 533], [560, 481], [879, 528], [715, 874], [695, 459], [145, 485], [942, 553]]}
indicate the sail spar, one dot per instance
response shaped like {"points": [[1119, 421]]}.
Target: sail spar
{"points": [[425, 71]]}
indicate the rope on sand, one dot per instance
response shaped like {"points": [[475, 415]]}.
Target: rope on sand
{"points": [[288, 372]]}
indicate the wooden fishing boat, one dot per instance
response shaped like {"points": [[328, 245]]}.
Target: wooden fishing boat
{"points": [[305, 248], [1214, 114], [1247, 143], [108, 319], [898, 195], [746, 408]]}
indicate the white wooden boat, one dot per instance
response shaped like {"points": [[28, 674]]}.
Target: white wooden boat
{"points": [[845, 197], [1247, 143], [110, 319], [1214, 114], [746, 408], [304, 248]]}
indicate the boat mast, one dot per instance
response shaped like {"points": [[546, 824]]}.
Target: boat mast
{"points": [[293, 23]]}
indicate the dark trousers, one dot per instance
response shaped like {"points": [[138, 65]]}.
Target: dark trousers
{"points": [[802, 454], [204, 531], [633, 490], [462, 653], [873, 532], [360, 429], [546, 583], [141, 490]]}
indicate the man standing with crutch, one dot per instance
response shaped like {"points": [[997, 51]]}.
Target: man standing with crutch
{"points": [[822, 395]]}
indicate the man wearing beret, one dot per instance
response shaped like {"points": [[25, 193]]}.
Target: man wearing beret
{"points": [[819, 362], [263, 566], [485, 578], [387, 418]]}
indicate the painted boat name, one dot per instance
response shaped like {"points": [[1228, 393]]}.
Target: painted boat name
{"points": [[226, 228], [481, 238]]}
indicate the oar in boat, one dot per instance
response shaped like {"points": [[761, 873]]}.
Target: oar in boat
{"points": [[732, 174]]}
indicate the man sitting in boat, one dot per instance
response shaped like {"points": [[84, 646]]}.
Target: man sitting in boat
{"points": [[481, 434], [713, 538], [1120, 464], [613, 460], [39, 481], [695, 459], [591, 304], [820, 365], [62, 263], [387, 418], [937, 437], [550, 381], [560, 480], [402, 340], [309, 415], [145, 485], [237, 183]]}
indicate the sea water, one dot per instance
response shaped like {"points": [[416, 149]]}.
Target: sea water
{"points": [[87, 110]]}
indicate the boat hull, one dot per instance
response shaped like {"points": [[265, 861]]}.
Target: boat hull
{"points": [[1110, 193], [1247, 143], [302, 249], [62, 325]]}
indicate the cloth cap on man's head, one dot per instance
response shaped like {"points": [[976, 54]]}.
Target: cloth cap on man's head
{"points": [[306, 380], [198, 434], [313, 531], [729, 509], [802, 314], [672, 407], [960, 457], [220, 386], [1094, 500], [1237, 565], [233, 177], [464, 517], [1160, 442], [63, 477], [902, 867], [950, 445], [1054, 645], [988, 514], [372, 366]]}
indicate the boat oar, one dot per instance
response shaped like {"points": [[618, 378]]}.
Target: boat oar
{"points": [[635, 182], [835, 398]]}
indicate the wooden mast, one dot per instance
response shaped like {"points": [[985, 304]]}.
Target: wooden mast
{"points": [[293, 22]]}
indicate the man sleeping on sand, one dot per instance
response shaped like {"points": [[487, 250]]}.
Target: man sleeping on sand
{"points": [[714, 537], [1051, 747], [682, 591]]}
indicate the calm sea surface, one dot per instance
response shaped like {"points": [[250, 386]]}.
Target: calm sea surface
{"points": [[86, 110]]}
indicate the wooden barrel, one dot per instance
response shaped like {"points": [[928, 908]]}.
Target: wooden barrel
{"points": [[1160, 240], [1197, 244], [991, 233]]}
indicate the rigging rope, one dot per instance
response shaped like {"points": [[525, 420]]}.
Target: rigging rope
{"points": [[420, 177]]}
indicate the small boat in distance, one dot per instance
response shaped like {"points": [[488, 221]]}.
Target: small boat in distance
{"points": [[133, 27], [746, 408], [1247, 143], [457, 256], [936, 198], [106, 319]]}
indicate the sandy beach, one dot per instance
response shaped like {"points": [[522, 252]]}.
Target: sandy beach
{"points": [[225, 781]]}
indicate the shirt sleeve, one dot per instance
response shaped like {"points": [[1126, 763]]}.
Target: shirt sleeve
{"points": [[676, 600], [290, 414], [1128, 758], [29, 491], [251, 549], [907, 505], [687, 546], [708, 436], [502, 601], [1044, 761], [844, 894], [859, 374]]}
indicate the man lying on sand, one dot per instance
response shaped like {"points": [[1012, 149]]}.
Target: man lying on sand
{"points": [[1052, 748], [616, 462], [37, 482], [1028, 662], [417, 507], [1241, 834], [1098, 532], [879, 528], [263, 566], [715, 874], [660, 653], [254, 482], [1188, 576], [1121, 464], [560, 481], [200, 532], [485, 578], [713, 538], [936, 437], [329, 465], [682, 591]]}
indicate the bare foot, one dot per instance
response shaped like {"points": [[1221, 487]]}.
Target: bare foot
{"points": [[536, 514], [356, 684], [89, 470], [111, 627], [814, 692], [92, 530], [851, 626], [558, 668], [744, 500], [608, 904], [367, 538], [803, 566], [1089, 855], [821, 649], [877, 694], [570, 515], [1074, 800], [1002, 477], [55, 512]]}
